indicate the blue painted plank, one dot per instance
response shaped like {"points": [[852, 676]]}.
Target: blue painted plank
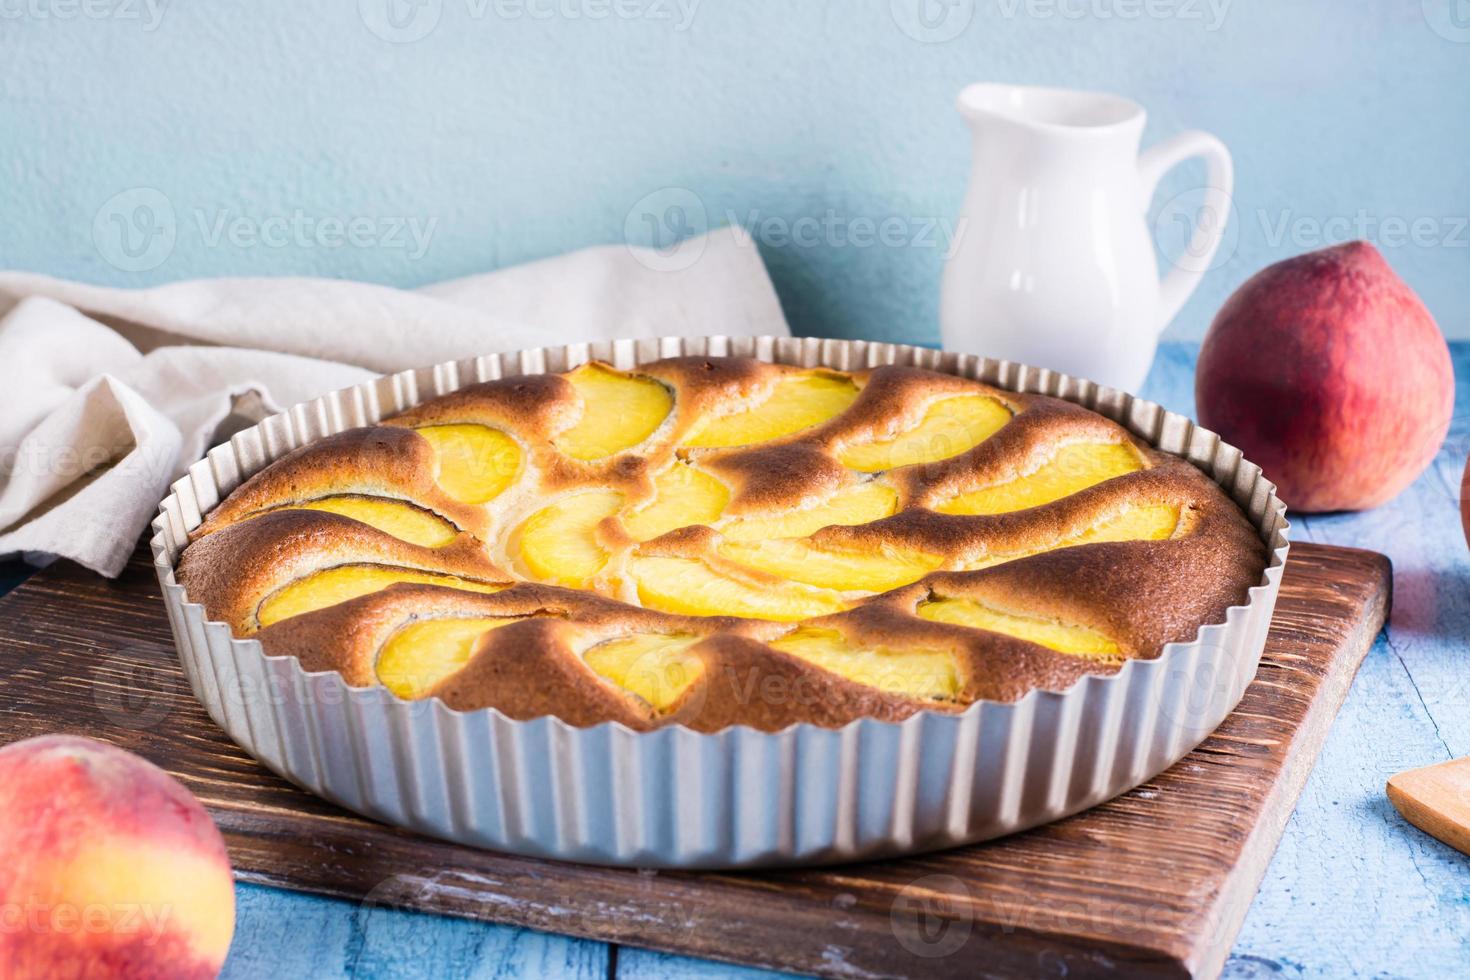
{"points": [[645, 964], [289, 934]]}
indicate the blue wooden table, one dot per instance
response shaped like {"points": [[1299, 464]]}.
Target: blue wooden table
{"points": [[1353, 890]]}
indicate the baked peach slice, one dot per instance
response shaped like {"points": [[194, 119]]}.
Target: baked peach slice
{"points": [[1054, 634], [656, 668], [419, 655], [796, 402], [1072, 468], [860, 503], [918, 672], [949, 426], [863, 570], [405, 521], [474, 463], [619, 411], [684, 495], [559, 543], [337, 584], [1134, 522], [690, 587]]}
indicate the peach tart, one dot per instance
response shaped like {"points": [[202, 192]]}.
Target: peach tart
{"points": [[713, 541]]}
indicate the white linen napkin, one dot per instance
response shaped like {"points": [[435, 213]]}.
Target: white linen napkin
{"points": [[108, 395]]}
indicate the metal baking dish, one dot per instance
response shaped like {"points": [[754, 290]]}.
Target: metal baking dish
{"points": [[739, 797]]}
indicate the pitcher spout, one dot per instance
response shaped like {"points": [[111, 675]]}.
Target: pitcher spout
{"points": [[1053, 111]]}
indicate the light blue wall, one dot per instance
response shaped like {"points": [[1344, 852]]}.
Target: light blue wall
{"points": [[519, 128]]}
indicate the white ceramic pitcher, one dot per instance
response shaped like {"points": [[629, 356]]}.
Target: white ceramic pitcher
{"points": [[1053, 263]]}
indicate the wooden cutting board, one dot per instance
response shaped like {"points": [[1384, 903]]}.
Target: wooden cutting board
{"points": [[1154, 883]]}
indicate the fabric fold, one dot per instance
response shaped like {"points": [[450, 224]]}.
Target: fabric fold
{"points": [[110, 394]]}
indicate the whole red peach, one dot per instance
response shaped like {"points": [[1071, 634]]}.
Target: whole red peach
{"points": [[1328, 372], [109, 868], [1465, 501]]}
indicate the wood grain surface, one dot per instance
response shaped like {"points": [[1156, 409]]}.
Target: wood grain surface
{"points": [[1155, 882], [1436, 799]]}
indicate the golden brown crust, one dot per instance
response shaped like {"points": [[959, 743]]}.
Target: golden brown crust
{"points": [[1141, 594], [233, 570], [379, 461]]}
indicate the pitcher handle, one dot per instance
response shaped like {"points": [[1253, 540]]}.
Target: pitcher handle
{"points": [[1210, 219]]}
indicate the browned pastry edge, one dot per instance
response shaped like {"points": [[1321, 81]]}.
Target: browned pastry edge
{"points": [[382, 461], [231, 571], [1143, 594]]}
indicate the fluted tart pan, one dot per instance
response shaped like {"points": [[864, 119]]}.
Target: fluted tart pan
{"points": [[737, 797]]}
